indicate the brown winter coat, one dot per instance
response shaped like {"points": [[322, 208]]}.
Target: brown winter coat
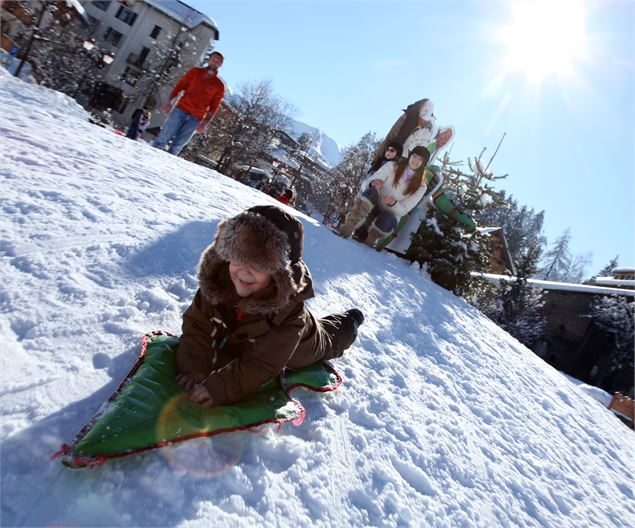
{"points": [[242, 342]]}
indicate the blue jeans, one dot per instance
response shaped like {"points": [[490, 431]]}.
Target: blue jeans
{"points": [[177, 129], [384, 220]]}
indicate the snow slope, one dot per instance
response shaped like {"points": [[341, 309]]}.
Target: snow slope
{"points": [[443, 419]]}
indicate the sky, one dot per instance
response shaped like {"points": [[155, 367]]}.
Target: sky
{"points": [[558, 81], [443, 419]]}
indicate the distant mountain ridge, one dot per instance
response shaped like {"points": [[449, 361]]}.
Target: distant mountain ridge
{"points": [[325, 149]]}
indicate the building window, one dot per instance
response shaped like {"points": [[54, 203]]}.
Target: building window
{"points": [[102, 4], [126, 15], [113, 36], [155, 32], [130, 76], [143, 55]]}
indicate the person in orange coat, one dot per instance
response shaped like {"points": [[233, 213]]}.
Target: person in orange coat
{"points": [[202, 92]]}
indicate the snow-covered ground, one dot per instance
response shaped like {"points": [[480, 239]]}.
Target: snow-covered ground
{"points": [[443, 419]]}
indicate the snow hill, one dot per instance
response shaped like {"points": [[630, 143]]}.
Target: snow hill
{"points": [[443, 419]]}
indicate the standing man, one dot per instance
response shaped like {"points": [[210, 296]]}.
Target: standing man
{"points": [[202, 92]]}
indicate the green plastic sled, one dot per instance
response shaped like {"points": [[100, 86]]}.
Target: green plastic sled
{"points": [[150, 410]]}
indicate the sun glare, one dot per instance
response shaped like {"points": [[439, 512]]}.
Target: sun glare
{"points": [[544, 39]]}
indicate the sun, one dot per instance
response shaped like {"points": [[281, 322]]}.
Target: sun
{"points": [[544, 39]]}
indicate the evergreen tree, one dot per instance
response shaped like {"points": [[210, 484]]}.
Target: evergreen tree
{"points": [[560, 265], [615, 315], [607, 270], [337, 192], [521, 225], [515, 306], [300, 153], [447, 252]]}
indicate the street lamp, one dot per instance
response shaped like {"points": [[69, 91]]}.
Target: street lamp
{"points": [[89, 44], [106, 58], [36, 28]]}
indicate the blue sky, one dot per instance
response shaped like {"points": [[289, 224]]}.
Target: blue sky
{"points": [[560, 86]]}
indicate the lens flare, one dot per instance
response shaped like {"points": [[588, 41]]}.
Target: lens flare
{"points": [[200, 458]]}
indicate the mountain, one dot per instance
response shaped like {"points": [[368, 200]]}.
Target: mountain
{"points": [[325, 149], [442, 419]]}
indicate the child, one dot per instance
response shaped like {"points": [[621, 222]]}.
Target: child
{"points": [[248, 320], [140, 119], [286, 197]]}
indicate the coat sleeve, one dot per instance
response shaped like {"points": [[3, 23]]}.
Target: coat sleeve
{"points": [[405, 205], [183, 83], [263, 359], [195, 353], [216, 100], [383, 173]]}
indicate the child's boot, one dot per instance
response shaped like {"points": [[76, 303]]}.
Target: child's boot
{"points": [[356, 215], [356, 316]]}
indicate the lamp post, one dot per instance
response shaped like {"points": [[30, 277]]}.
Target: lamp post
{"points": [[106, 58], [32, 39]]}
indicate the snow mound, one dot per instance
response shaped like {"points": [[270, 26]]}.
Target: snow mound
{"points": [[443, 419]]}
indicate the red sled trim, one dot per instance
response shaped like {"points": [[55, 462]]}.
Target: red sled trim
{"points": [[80, 461]]}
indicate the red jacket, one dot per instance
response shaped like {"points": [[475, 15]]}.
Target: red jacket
{"points": [[203, 94]]}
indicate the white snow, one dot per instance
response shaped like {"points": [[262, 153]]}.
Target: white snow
{"points": [[443, 419], [563, 286]]}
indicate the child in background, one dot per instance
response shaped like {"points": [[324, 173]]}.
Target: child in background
{"points": [[248, 320], [140, 120], [287, 197]]}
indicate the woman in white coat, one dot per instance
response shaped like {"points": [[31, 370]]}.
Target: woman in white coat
{"points": [[386, 196]]}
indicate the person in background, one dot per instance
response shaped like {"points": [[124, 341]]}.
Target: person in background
{"points": [[201, 93], [287, 197], [392, 192], [248, 320], [392, 152], [140, 120]]}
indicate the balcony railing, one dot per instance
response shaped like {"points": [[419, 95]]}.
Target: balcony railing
{"points": [[135, 60]]}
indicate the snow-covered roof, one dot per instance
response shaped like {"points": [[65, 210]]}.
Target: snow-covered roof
{"points": [[79, 8], [563, 286], [183, 13], [283, 156], [611, 281]]}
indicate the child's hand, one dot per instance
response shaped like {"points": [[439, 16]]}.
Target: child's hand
{"points": [[201, 395], [187, 381]]}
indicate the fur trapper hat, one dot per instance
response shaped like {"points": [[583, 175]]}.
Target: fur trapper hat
{"points": [[266, 238]]}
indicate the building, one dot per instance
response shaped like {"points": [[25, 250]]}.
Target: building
{"points": [[501, 261], [572, 341], [155, 42]]}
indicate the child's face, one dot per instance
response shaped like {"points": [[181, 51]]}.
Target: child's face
{"points": [[247, 280]]}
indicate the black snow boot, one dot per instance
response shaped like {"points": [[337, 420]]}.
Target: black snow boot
{"points": [[356, 316]]}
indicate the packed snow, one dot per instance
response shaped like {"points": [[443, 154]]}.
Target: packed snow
{"points": [[443, 419]]}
